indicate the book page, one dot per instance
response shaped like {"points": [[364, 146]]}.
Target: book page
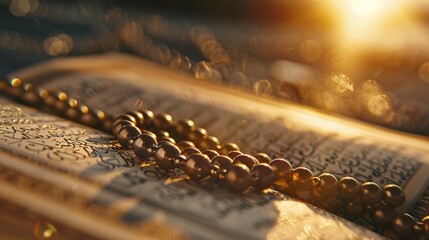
{"points": [[73, 160], [321, 142]]}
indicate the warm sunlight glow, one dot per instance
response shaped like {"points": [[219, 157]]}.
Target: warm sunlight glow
{"points": [[361, 19]]}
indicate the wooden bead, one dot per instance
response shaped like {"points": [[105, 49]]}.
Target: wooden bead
{"points": [[163, 121], [246, 159], [197, 166], [370, 193], [210, 153], [144, 146], [190, 150], [210, 142], [382, 216], [234, 154], [348, 187], [262, 158], [403, 225], [302, 179], [393, 195], [262, 176], [127, 134], [166, 154], [238, 178], [228, 147], [185, 144], [328, 185], [425, 228], [282, 170]]}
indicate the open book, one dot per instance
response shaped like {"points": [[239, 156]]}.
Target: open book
{"points": [[79, 177]]}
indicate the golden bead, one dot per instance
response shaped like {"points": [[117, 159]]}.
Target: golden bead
{"points": [[382, 216], [348, 187], [328, 185], [262, 176], [403, 225], [185, 144], [238, 178], [425, 228], [163, 121], [262, 158], [246, 159], [393, 195], [302, 179], [197, 166], [189, 150], [371, 193], [282, 170], [127, 134], [228, 147]]}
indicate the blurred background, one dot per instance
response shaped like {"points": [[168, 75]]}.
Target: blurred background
{"points": [[365, 59]]}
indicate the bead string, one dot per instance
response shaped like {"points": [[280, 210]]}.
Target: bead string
{"points": [[157, 139]]}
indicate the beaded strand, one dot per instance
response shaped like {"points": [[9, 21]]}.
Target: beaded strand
{"points": [[182, 145]]}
